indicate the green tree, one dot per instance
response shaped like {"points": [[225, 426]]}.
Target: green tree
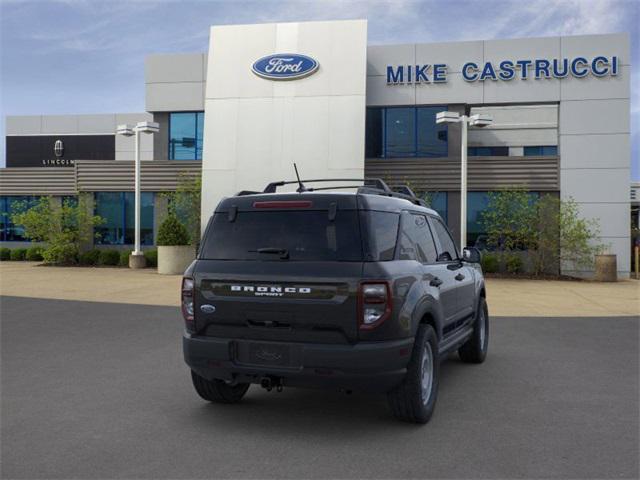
{"points": [[63, 227], [563, 237], [509, 219], [184, 203]]}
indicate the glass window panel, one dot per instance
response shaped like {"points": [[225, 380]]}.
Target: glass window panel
{"points": [[15, 233], [182, 136], [432, 137], [477, 202], [551, 150], [382, 228], [416, 242], [374, 132], [438, 201], [400, 132], [447, 245], [532, 151], [109, 207], [146, 218], [199, 134]]}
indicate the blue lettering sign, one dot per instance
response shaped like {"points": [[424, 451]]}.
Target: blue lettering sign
{"points": [[524, 68], [470, 71], [579, 67], [557, 73], [285, 66], [420, 75], [439, 73], [397, 76], [542, 69], [507, 71]]}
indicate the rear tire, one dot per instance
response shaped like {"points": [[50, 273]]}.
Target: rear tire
{"points": [[218, 391], [415, 398], [475, 349]]}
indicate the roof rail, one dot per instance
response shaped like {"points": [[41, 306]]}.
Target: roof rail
{"points": [[371, 186], [375, 182]]}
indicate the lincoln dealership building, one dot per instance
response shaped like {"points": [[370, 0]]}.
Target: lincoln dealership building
{"points": [[314, 93]]}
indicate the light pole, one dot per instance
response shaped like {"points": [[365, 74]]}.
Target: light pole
{"points": [[477, 120], [136, 259]]}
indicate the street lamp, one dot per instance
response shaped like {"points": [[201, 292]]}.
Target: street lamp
{"points": [[477, 120], [136, 259]]}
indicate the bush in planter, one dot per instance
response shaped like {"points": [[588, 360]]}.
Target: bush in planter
{"points": [[18, 254], [151, 256], [109, 257], [124, 258], [34, 254], [90, 257], [490, 263], [513, 263], [5, 254], [172, 232]]}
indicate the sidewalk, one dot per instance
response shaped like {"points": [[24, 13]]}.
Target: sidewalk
{"points": [[513, 298]]}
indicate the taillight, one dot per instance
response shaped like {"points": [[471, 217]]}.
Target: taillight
{"points": [[187, 303], [374, 302]]}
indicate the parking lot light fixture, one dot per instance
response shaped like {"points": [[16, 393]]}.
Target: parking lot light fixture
{"points": [[477, 120], [136, 259]]}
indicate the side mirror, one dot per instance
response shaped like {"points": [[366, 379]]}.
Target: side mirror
{"points": [[471, 255]]}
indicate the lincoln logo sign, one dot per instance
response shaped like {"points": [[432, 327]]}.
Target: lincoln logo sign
{"points": [[58, 148], [505, 70], [285, 66]]}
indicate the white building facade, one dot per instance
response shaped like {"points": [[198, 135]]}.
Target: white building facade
{"points": [[560, 108]]}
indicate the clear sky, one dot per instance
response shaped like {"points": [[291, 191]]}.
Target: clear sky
{"points": [[87, 56]]}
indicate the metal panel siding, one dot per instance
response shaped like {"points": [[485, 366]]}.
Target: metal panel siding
{"points": [[485, 173], [156, 176], [38, 181]]}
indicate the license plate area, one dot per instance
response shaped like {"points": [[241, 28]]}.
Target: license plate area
{"points": [[270, 354]]}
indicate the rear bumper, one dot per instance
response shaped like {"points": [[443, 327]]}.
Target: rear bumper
{"points": [[366, 366]]}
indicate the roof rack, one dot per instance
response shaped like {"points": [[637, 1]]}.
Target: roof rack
{"points": [[371, 186]]}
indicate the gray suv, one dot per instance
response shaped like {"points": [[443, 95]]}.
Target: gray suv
{"points": [[351, 291]]}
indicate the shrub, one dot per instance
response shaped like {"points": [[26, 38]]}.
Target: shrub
{"points": [[64, 227], [18, 254], [513, 263], [109, 257], [90, 257], [152, 258], [5, 254], [490, 263], [61, 254], [172, 232], [34, 254], [124, 258]]}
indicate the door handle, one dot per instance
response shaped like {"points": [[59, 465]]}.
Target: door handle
{"points": [[459, 277], [435, 282]]}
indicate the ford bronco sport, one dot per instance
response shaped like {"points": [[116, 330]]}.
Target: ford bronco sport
{"points": [[352, 291]]}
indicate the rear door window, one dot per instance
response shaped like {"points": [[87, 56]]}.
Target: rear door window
{"points": [[284, 235], [416, 241]]}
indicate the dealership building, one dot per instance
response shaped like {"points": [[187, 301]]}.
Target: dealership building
{"points": [[315, 93]]}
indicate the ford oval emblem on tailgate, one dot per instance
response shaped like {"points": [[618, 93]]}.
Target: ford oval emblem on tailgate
{"points": [[206, 308]]}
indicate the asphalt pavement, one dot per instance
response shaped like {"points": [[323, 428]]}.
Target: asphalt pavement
{"points": [[100, 390]]}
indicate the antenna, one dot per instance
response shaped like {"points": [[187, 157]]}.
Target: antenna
{"points": [[301, 187]]}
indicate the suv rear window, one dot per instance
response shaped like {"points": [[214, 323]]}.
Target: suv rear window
{"points": [[305, 235]]}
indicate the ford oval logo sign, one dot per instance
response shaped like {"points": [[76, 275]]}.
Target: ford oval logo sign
{"points": [[285, 66]]}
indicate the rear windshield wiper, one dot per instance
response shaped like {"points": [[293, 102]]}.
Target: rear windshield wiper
{"points": [[283, 252]]}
